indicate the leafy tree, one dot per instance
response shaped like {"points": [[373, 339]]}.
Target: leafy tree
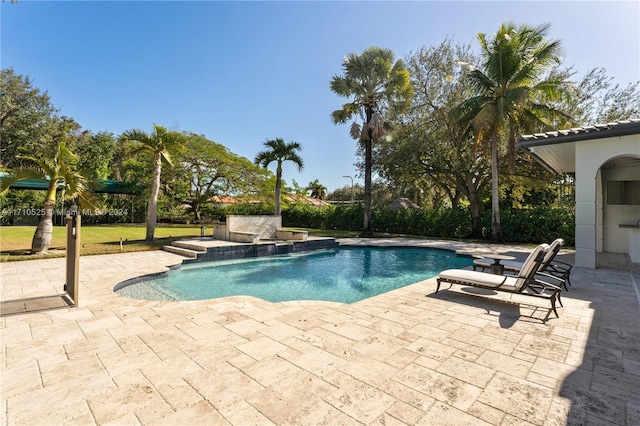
{"points": [[515, 92], [600, 100], [95, 153], [429, 150], [318, 190], [61, 173], [161, 143], [28, 120], [375, 84], [205, 169], [297, 188], [279, 151], [347, 193]]}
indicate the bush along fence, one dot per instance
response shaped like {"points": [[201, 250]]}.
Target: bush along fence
{"points": [[528, 225], [532, 225]]}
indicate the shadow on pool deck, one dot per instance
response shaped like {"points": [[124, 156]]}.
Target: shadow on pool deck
{"points": [[404, 357], [34, 304]]}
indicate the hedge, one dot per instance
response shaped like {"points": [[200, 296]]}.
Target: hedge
{"points": [[532, 225]]}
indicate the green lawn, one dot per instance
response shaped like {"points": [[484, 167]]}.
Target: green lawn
{"points": [[15, 241]]}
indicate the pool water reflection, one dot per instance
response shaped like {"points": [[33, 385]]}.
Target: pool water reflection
{"points": [[346, 275]]}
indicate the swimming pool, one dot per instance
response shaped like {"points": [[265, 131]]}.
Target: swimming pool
{"points": [[346, 275]]}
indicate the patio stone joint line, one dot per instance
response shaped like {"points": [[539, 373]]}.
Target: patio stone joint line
{"points": [[171, 407]]}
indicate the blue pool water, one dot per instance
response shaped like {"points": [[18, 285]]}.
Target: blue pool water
{"points": [[341, 275]]}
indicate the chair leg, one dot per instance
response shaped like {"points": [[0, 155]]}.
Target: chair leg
{"points": [[560, 300], [438, 287], [553, 305]]}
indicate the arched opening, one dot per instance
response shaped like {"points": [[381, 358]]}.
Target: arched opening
{"points": [[618, 204]]}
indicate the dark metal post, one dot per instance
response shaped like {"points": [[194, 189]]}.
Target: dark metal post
{"points": [[73, 254]]}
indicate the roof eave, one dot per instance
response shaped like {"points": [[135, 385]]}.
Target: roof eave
{"points": [[596, 132]]}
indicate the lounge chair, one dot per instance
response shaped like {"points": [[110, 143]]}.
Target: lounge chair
{"points": [[556, 269], [524, 283]]}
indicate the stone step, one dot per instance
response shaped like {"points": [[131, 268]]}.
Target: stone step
{"points": [[191, 254], [189, 246]]}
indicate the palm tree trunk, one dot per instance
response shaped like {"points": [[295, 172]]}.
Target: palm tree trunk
{"points": [[496, 229], [42, 238], [278, 187], [152, 208], [367, 230]]}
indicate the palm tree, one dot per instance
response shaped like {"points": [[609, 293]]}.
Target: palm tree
{"points": [[279, 151], [317, 189], [60, 173], [375, 84], [516, 91], [162, 144]]}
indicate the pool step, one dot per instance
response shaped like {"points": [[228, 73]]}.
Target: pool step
{"points": [[183, 251]]}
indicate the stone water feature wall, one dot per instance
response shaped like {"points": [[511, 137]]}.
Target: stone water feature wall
{"points": [[247, 229], [252, 229]]}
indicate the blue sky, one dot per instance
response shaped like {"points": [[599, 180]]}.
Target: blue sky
{"points": [[243, 72]]}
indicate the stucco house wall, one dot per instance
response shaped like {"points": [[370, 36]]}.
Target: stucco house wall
{"points": [[591, 155], [596, 154]]}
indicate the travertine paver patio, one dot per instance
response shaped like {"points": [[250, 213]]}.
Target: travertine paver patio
{"points": [[405, 357]]}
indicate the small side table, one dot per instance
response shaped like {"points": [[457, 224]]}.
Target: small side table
{"points": [[496, 267]]}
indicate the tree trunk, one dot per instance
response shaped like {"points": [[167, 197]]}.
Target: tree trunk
{"points": [[367, 230], [152, 208], [496, 229], [278, 187], [42, 238], [197, 218], [475, 208]]}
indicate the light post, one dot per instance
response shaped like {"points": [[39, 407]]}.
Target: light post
{"points": [[351, 188]]}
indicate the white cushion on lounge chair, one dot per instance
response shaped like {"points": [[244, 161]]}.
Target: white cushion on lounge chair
{"points": [[524, 283], [484, 279], [481, 279]]}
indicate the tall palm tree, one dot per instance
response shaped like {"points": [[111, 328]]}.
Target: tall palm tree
{"points": [[317, 189], [375, 84], [279, 151], [61, 175], [161, 143], [516, 90]]}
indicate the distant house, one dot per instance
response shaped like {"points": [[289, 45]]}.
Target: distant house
{"points": [[403, 203], [226, 200], [303, 199]]}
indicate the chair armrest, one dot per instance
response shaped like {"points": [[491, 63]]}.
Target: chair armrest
{"points": [[544, 274], [546, 285], [561, 264]]}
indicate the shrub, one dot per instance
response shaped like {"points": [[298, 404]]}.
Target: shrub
{"points": [[532, 225]]}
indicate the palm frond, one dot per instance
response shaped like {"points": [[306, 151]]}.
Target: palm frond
{"points": [[356, 131]]}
